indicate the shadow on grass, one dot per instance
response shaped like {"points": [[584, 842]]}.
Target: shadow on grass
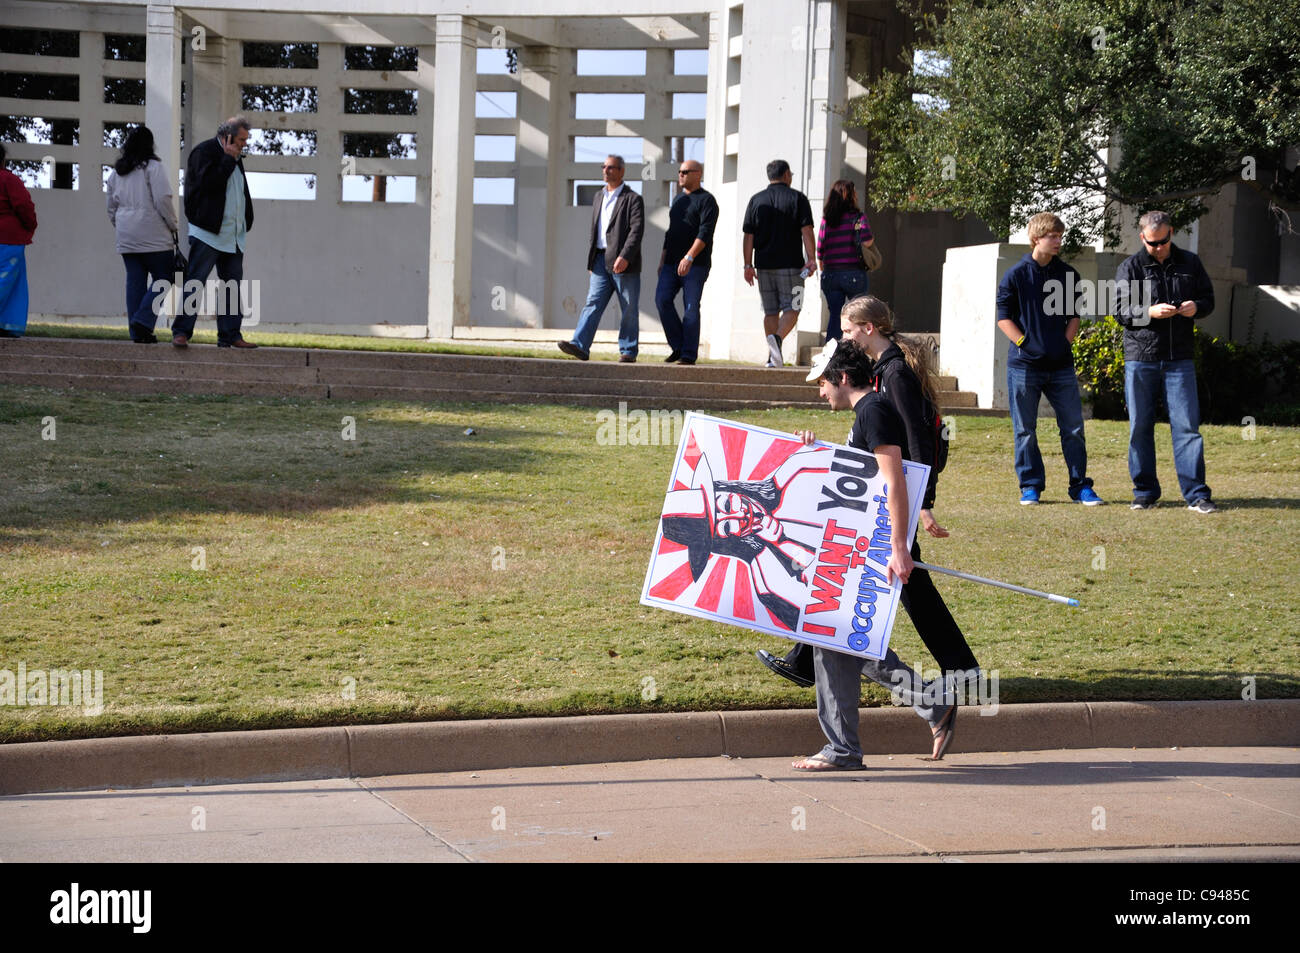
{"points": [[1255, 503], [1148, 685], [130, 459]]}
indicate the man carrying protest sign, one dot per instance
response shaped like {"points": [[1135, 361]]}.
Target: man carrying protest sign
{"points": [[846, 384]]}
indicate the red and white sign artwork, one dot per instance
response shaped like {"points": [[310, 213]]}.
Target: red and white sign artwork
{"points": [[760, 531]]}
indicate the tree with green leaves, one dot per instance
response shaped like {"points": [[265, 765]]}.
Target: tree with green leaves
{"points": [[1010, 107]]}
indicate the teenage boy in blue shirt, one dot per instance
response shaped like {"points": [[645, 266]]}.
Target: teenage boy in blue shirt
{"points": [[1036, 311]]}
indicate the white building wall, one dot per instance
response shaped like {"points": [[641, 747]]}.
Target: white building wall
{"points": [[788, 59]]}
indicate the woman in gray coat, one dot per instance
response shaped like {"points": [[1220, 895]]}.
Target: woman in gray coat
{"points": [[140, 208]]}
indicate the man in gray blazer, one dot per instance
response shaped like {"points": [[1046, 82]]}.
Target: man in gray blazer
{"points": [[614, 261]]}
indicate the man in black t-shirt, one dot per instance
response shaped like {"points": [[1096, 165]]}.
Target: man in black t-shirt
{"points": [[780, 252], [846, 383], [685, 262]]}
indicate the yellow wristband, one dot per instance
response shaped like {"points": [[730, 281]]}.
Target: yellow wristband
{"points": [[1021, 342]]}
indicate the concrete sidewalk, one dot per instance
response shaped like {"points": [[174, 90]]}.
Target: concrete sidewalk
{"points": [[1086, 804]]}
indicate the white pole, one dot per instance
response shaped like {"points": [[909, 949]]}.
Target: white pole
{"points": [[1063, 600]]}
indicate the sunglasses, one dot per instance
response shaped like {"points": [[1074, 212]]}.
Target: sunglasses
{"points": [[686, 171], [1157, 244]]}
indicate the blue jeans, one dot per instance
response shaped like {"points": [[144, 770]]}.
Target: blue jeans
{"points": [[839, 287], [1143, 382], [13, 288], [1024, 387], [203, 258], [602, 287], [142, 270], [683, 333]]}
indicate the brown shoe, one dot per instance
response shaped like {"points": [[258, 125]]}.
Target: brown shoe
{"points": [[180, 340], [627, 358], [242, 343]]}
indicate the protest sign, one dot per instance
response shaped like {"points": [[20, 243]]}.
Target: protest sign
{"points": [[760, 531]]}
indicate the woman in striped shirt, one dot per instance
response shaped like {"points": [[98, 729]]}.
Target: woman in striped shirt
{"points": [[844, 233]]}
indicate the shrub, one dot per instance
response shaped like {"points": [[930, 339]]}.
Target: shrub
{"points": [[1233, 380], [1099, 362]]}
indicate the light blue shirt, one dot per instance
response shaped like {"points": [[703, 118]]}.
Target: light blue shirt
{"points": [[606, 210], [233, 235]]}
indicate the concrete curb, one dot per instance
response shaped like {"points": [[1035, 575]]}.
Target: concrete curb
{"points": [[368, 750]]}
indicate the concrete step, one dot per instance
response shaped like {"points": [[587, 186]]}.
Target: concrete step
{"points": [[385, 375], [633, 401], [649, 369], [162, 351], [189, 369], [610, 388], [958, 399], [164, 385]]}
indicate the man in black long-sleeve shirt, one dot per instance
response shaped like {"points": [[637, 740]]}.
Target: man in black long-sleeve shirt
{"points": [[685, 262], [1158, 351]]}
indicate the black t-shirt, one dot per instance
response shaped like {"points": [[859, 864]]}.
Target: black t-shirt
{"points": [[776, 218], [692, 216], [877, 424]]}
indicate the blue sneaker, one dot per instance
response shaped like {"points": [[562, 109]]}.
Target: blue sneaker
{"points": [[1029, 496], [1088, 497]]}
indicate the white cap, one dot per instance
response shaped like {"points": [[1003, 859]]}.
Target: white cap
{"points": [[821, 360]]}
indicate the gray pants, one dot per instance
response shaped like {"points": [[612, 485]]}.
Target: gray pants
{"points": [[839, 685]]}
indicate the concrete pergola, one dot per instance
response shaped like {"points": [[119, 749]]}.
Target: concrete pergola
{"points": [[442, 266]]}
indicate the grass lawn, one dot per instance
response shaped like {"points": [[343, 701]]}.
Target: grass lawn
{"points": [[366, 567]]}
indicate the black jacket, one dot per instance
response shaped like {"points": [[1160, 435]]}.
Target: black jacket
{"points": [[626, 229], [207, 173], [901, 387], [1181, 278]]}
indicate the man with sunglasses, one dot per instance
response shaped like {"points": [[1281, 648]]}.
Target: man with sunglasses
{"points": [[1173, 290], [685, 262], [614, 265]]}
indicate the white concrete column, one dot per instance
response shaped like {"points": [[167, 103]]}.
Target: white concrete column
{"points": [[657, 167], [724, 284], [425, 112], [973, 349], [162, 84], [451, 204], [827, 90], [92, 110], [538, 184], [329, 118], [782, 70], [207, 90]]}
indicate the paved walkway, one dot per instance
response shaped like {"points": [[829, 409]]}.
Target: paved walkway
{"points": [[1082, 804]]}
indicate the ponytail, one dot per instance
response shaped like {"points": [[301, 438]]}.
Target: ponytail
{"points": [[868, 309]]}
